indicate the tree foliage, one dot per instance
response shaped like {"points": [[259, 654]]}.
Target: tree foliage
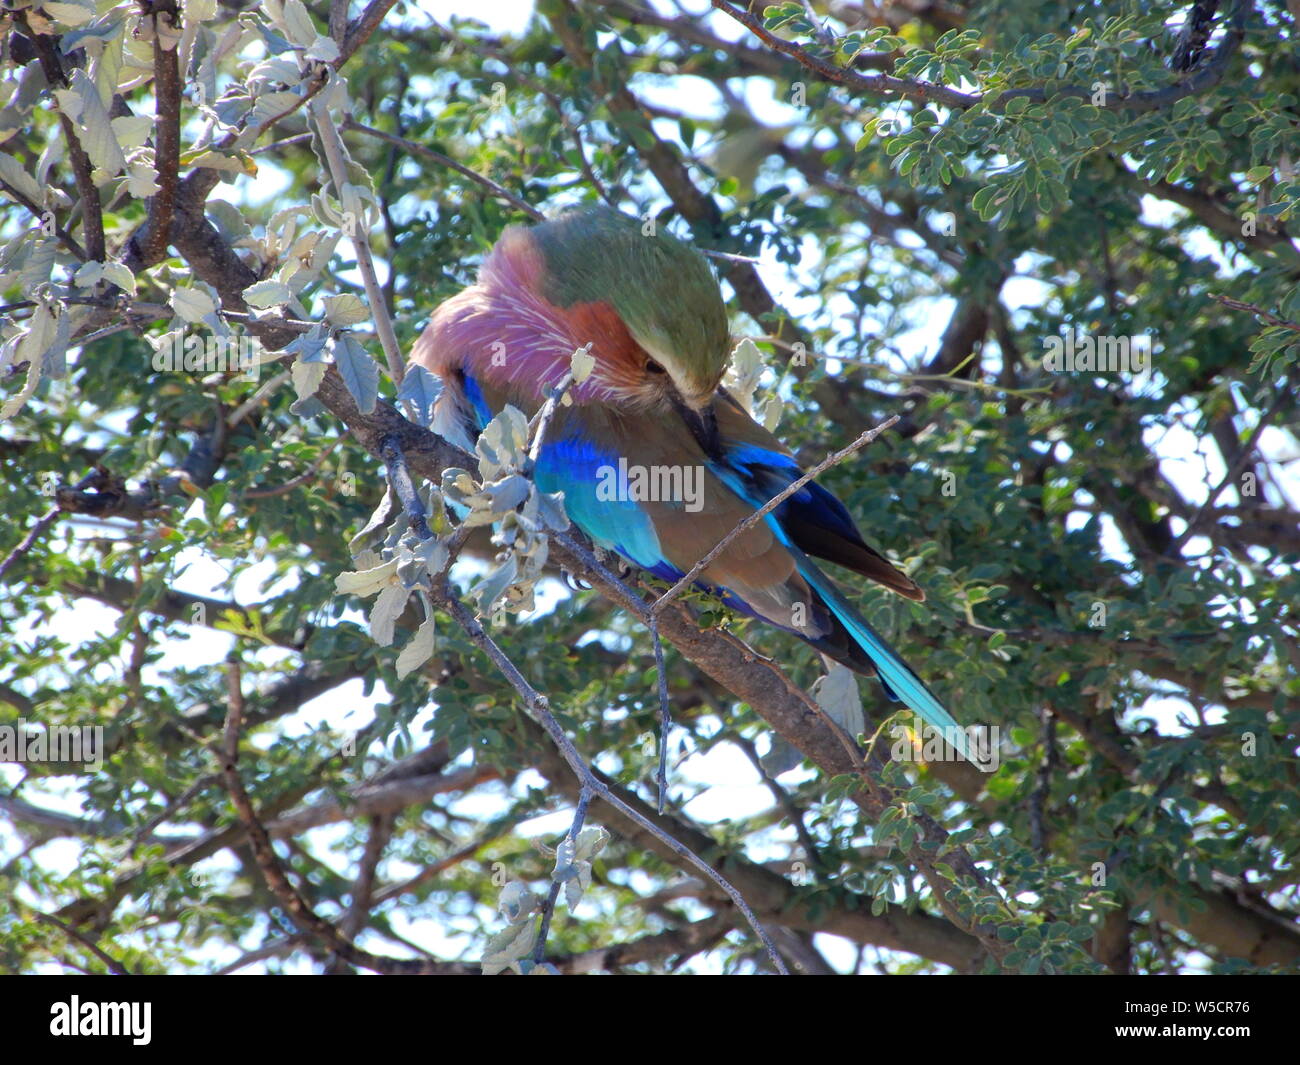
{"points": [[939, 211]]}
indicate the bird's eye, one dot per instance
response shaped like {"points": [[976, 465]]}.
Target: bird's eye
{"points": [[653, 367]]}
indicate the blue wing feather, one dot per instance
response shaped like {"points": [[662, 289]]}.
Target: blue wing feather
{"points": [[770, 472], [482, 413], [573, 466], [756, 475]]}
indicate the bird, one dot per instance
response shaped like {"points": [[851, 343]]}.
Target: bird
{"points": [[650, 312]]}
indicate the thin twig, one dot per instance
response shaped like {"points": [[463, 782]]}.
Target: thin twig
{"points": [[1232, 472], [43, 523], [178, 803], [270, 950], [868, 768], [539, 707], [436, 869], [792, 811], [1268, 316], [114, 966], [399, 477], [1043, 785], [541, 423], [283, 142], [552, 896], [338, 23], [68, 239], [336, 157], [1206, 74], [499, 191], [363, 888], [823, 31], [29, 541], [359, 31], [259, 397], [575, 133], [296, 906], [665, 711], [361, 27], [542, 420], [297, 482], [107, 331], [92, 210], [159, 311]]}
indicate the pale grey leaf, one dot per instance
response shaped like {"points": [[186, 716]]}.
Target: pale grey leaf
{"points": [[359, 372], [12, 173], [346, 309], [97, 136], [591, 841], [502, 444], [382, 515], [120, 275], [266, 294], [307, 377], [388, 607], [780, 758], [837, 693], [417, 651], [192, 304], [310, 346], [228, 219], [489, 589], [517, 902], [298, 24], [421, 389]]}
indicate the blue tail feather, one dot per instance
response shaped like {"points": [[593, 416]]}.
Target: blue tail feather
{"points": [[895, 675]]}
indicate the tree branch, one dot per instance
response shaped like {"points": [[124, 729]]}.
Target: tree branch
{"points": [[167, 126], [1205, 76], [539, 708], [299, 910]]}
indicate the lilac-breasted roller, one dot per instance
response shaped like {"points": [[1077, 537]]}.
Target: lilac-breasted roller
{"points": [[652, 313]]}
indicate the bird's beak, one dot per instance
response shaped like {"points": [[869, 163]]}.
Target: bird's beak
{"points": [[697, 400], [702, 421]]}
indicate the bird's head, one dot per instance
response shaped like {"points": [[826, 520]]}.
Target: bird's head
{"points": [[652, 297]]}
